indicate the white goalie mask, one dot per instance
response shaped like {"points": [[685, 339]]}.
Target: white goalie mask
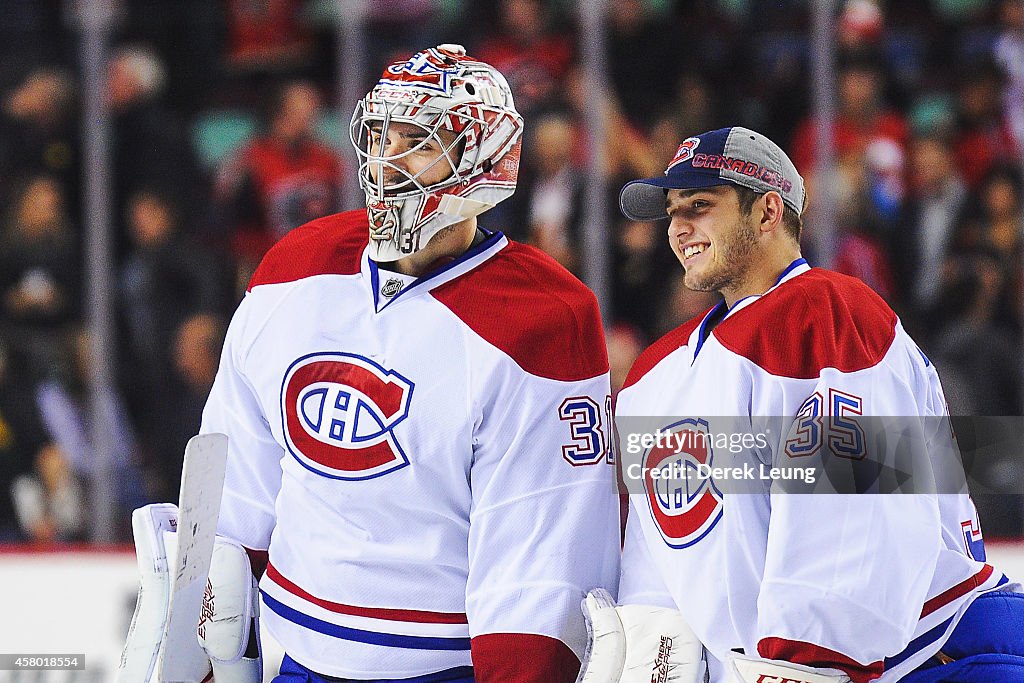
{"points": [[462, 111]]}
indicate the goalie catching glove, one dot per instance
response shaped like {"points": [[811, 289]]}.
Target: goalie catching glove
{"points": [[228, 628], [638, 644]]}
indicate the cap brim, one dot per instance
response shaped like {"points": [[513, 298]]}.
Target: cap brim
{"points": [[644, 199]]}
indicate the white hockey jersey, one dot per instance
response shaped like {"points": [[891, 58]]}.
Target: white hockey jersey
{"points": [[873, 584], [425, 460]]}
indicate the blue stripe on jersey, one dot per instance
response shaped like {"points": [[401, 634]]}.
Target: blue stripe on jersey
{"points": [[703, 335], [369, 637], [928, 637], [918, 644], [460, 674], [491, 239], [798, 262]]}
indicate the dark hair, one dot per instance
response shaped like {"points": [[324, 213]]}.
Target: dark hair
{"points": [[273, 105], [862, 60], [790, 219], [1008, 173]]}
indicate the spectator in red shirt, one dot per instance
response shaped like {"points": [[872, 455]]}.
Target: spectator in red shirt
{"points": [[267, 35], [865, 129], [861, 118], [280, 179], [533, 58], [984, 138]]}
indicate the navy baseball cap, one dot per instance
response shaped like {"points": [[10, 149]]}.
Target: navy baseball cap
{"points": [[719, 157]]}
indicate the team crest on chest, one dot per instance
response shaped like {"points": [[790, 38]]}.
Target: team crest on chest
{"points": [[339, 412], [685, 505]]}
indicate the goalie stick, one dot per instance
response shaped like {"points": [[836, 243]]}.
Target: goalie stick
{"points": [[178, 656], [202, 483]]}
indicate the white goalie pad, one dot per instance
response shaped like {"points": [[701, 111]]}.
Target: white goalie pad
{"points": [[154, 528], [638, 644], [756, 670]]}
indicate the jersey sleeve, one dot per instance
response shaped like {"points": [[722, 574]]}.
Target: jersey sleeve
{"points": [[641, 582], [543, 526], [846, 574], [253, 476]]}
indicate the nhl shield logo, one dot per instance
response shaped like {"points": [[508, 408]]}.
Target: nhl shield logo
{"points": [[685, 505], [390, 288], [339, 412]]}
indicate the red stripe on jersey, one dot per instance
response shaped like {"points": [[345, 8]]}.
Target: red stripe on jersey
{"points": [[957, 591], [416, 616], [818, 657], [657, 351], [525, 304], [522, 658], [816, 320], [332, 245]]}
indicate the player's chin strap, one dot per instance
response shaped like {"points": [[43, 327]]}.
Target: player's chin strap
{"points": [[756, 670], [638, 644], [228, 630], [462, 206]]}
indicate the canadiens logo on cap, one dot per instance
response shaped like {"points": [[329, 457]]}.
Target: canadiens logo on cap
{"points": [[684, 152]]}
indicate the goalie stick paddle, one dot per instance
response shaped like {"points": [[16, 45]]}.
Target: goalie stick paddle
{"points": [[181, 659]]}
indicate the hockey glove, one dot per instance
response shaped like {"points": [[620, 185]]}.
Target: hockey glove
{"points": [[638, 644], [757, 670]]}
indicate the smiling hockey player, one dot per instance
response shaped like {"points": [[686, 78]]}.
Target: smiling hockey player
{"points": [[778, 586]]}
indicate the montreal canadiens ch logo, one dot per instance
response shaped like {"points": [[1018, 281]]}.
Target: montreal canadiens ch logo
{"points": [[429, 70], [340, 411], [685, 505]]}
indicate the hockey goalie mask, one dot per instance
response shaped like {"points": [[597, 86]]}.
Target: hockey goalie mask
{"points": [[438, 140]]}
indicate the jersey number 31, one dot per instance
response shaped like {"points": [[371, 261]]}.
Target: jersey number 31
{"points": [[586, 429]]}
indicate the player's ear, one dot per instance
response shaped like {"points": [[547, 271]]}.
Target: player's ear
{"points": [[771, 211]]}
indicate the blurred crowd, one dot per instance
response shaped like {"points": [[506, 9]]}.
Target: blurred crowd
{"points": [[226, 134]]}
